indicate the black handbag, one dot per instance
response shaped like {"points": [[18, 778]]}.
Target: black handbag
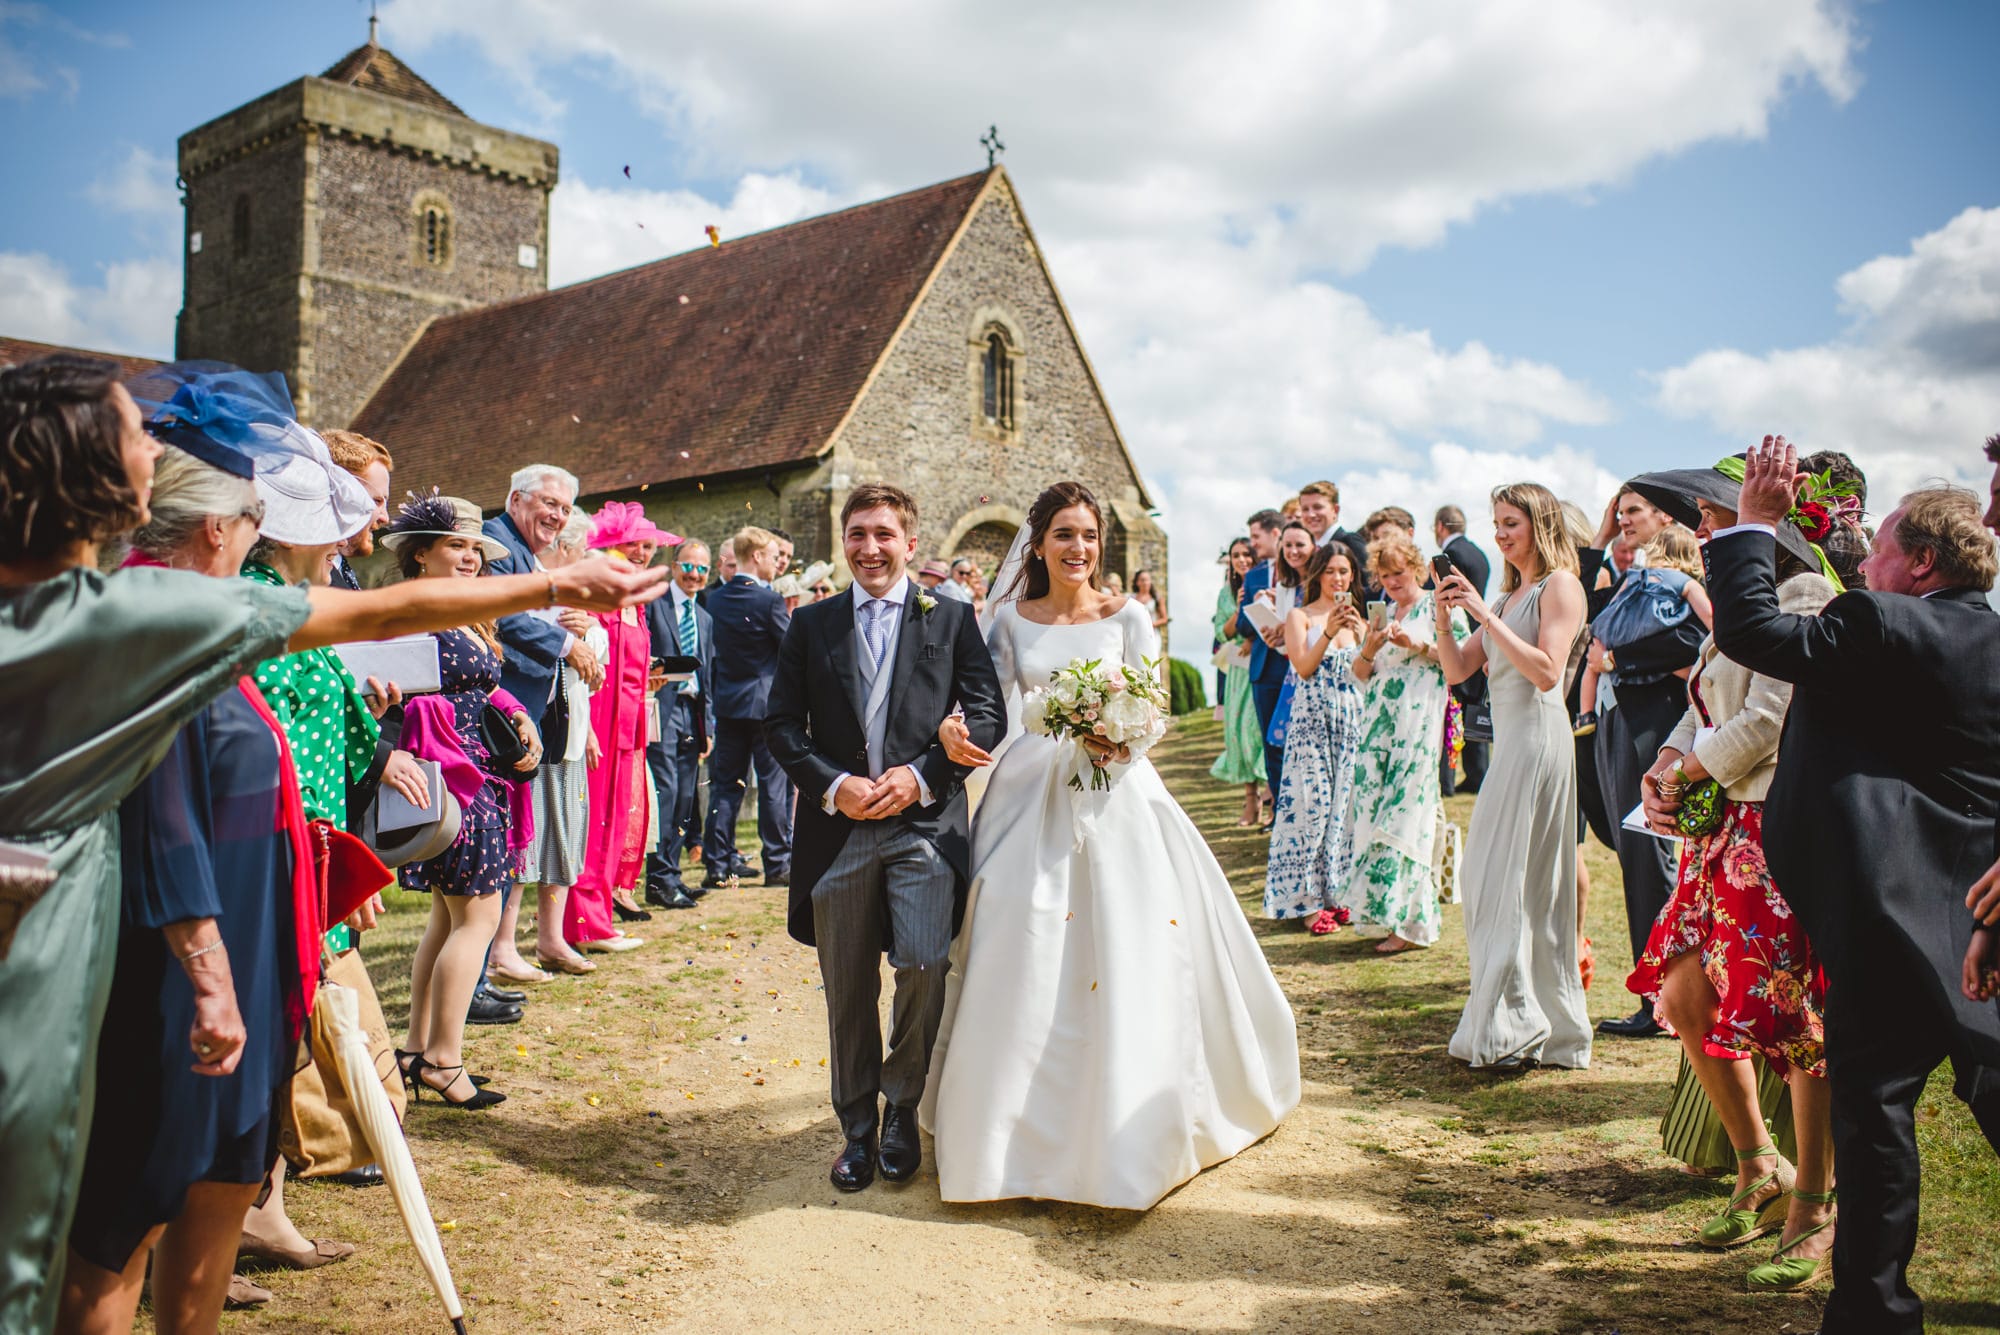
{"points": [[1475, 720], [504, 748], [555, 719]]}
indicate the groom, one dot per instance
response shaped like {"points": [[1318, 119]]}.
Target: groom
{"points": [[880, 848]]}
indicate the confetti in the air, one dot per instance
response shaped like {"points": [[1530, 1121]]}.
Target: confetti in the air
{"points": [[684, 298], [714, 234], [628, 171]]}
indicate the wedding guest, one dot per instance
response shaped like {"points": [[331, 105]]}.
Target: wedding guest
{"points": [[1267, 646], [784, 541], [1310, 845], [1882, 806], [213, 912], [935, 576], [725, 570], [1295, 549], [1390, 518], [440, 537], [1392, 885], [1728, 967], [750, 623], [76, 467], [966, 575], [561, 803], [1649, 696], [371, 464], [1590, 817], [1152, 600], [1670, 575], [1115, 582], [681, 627], [1242, 758], [1448, 527], [1525, 1005], [1318, 508], [615, 844]]}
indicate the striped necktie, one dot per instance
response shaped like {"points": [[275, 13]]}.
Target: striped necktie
{"points": [[689, 645]]}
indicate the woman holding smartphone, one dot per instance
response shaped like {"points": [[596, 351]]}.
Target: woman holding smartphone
{"points": [[1526, 1004], [1310, 849], [1392, 885]]}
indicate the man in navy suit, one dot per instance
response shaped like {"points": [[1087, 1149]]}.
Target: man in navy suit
{"points": [[1267, 648], [680, 627], [749, 626]]}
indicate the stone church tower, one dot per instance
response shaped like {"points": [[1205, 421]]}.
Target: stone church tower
{"points": [[329, 220]]}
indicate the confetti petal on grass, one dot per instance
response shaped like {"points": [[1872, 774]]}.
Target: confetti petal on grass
{"points": [[521, 1048]]}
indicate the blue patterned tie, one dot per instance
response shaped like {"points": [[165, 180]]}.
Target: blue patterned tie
{"points": [[877, 630], [688, 643]]}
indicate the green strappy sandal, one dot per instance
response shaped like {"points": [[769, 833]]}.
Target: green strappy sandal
{"points": [[1783, 1273], [1736, 1225]]}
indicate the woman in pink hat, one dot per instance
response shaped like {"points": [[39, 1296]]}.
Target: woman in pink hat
{"points": [[621, 714]]}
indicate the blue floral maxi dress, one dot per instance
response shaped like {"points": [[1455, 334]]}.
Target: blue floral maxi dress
{"points": [[1396, 795], [1312, 843]]}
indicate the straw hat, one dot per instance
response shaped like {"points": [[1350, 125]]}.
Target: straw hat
{"points": [[426, 518]]}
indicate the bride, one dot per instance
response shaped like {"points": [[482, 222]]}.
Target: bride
{"points": [[1110, 1027]]}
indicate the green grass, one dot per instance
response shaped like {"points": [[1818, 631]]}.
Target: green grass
{"points": [[1380, 1025]]}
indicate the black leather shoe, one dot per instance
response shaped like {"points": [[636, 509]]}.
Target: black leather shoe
{"points": [[713, 881], [694, 891], [1639, 1024], [485, 1010], [368, 1175], [782, 876], [660, 892], [902, 1149], [745, 870], [855, 1168], [506, 994]]}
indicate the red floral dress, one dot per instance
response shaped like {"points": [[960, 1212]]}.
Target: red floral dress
{"points": [[1753, 951]]}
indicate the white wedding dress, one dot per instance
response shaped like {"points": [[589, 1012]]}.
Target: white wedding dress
{"points": [[1110, 1025]]}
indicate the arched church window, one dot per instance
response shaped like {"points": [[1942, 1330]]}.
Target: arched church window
{"points": [[997, 382], [239, 227]]}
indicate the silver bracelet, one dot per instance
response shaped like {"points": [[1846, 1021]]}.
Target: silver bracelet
{"points": [[194, 954]]}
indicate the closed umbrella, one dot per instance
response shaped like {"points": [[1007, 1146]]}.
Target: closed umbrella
{"points": [[385, 1136]]}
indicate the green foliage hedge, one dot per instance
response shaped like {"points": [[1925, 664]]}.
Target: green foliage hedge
{"points": [[1184, 686]]}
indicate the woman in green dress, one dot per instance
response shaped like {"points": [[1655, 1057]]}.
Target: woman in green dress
{"points": [[100, 673], [1242, 758], [1396, 796]]}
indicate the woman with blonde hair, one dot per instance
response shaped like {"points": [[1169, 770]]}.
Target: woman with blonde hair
{"points": [[1392, 884], [1526, 1004]]}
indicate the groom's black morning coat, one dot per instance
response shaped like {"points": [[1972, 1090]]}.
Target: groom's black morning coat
{"points": [[813, 727]]}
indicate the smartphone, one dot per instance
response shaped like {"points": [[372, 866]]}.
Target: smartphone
{"points": [[1441, 568], [1378, 616]]}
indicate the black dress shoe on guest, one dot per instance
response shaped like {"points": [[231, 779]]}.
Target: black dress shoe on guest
{"points": [[855, 1168], [715, 881], [368, 1175], [1639, 1024], [693, 891], [782, 876], [744, 870], [506, 995], [485, 1010], [902, 1150], [660, 892]]}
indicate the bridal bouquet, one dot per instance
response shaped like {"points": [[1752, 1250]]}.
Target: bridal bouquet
{"points": [[1120, 707]]}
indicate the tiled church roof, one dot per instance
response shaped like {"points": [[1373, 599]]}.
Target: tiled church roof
{"points": [[377, 69], [13, 351], [720, 360]]}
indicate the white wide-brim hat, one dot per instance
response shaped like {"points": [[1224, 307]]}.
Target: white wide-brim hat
{"points": [[309, 500]]}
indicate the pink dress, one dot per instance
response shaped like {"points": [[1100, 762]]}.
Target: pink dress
{"points": [[614, 842]]}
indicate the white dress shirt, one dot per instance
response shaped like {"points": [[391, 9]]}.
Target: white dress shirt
{"points": [[897, 595]]}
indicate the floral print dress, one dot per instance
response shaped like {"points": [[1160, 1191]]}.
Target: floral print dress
{"points": [[1242, 758], [478, 862], [1311, 840], [1770, 987], [1393, 883]]}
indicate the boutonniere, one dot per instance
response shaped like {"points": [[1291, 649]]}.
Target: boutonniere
{"points": [[926, 604]]}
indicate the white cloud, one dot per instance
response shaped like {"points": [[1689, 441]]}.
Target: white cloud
{"points": [[597, 229], [140, 184], [1911, 389], [1196, 172], [129, 309]]}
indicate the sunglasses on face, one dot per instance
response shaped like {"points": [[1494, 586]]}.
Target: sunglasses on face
{"points": [[692, 568]]}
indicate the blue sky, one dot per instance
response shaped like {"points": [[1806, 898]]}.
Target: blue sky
{"points": [[1420, 248]]}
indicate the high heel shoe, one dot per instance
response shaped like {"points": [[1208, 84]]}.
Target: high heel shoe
{"points": [[629, 914], [480, 1099], [1783, 1273], [1736, 1225], [405, 1060], [553, 965]]}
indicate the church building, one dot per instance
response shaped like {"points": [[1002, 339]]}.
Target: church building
{"points": [[359, 232]]}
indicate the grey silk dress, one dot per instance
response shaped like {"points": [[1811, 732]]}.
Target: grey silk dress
{"points": [[1519, 880], [98, 674]]}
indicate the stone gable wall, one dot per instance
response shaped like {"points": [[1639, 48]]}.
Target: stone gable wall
{"points": [[237, 307], [919, 425]]}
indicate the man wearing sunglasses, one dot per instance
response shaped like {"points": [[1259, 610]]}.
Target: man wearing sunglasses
{"points": [[680, 627]]}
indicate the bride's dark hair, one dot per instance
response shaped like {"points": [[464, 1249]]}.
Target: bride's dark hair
{"points": [[1033, 579]]}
